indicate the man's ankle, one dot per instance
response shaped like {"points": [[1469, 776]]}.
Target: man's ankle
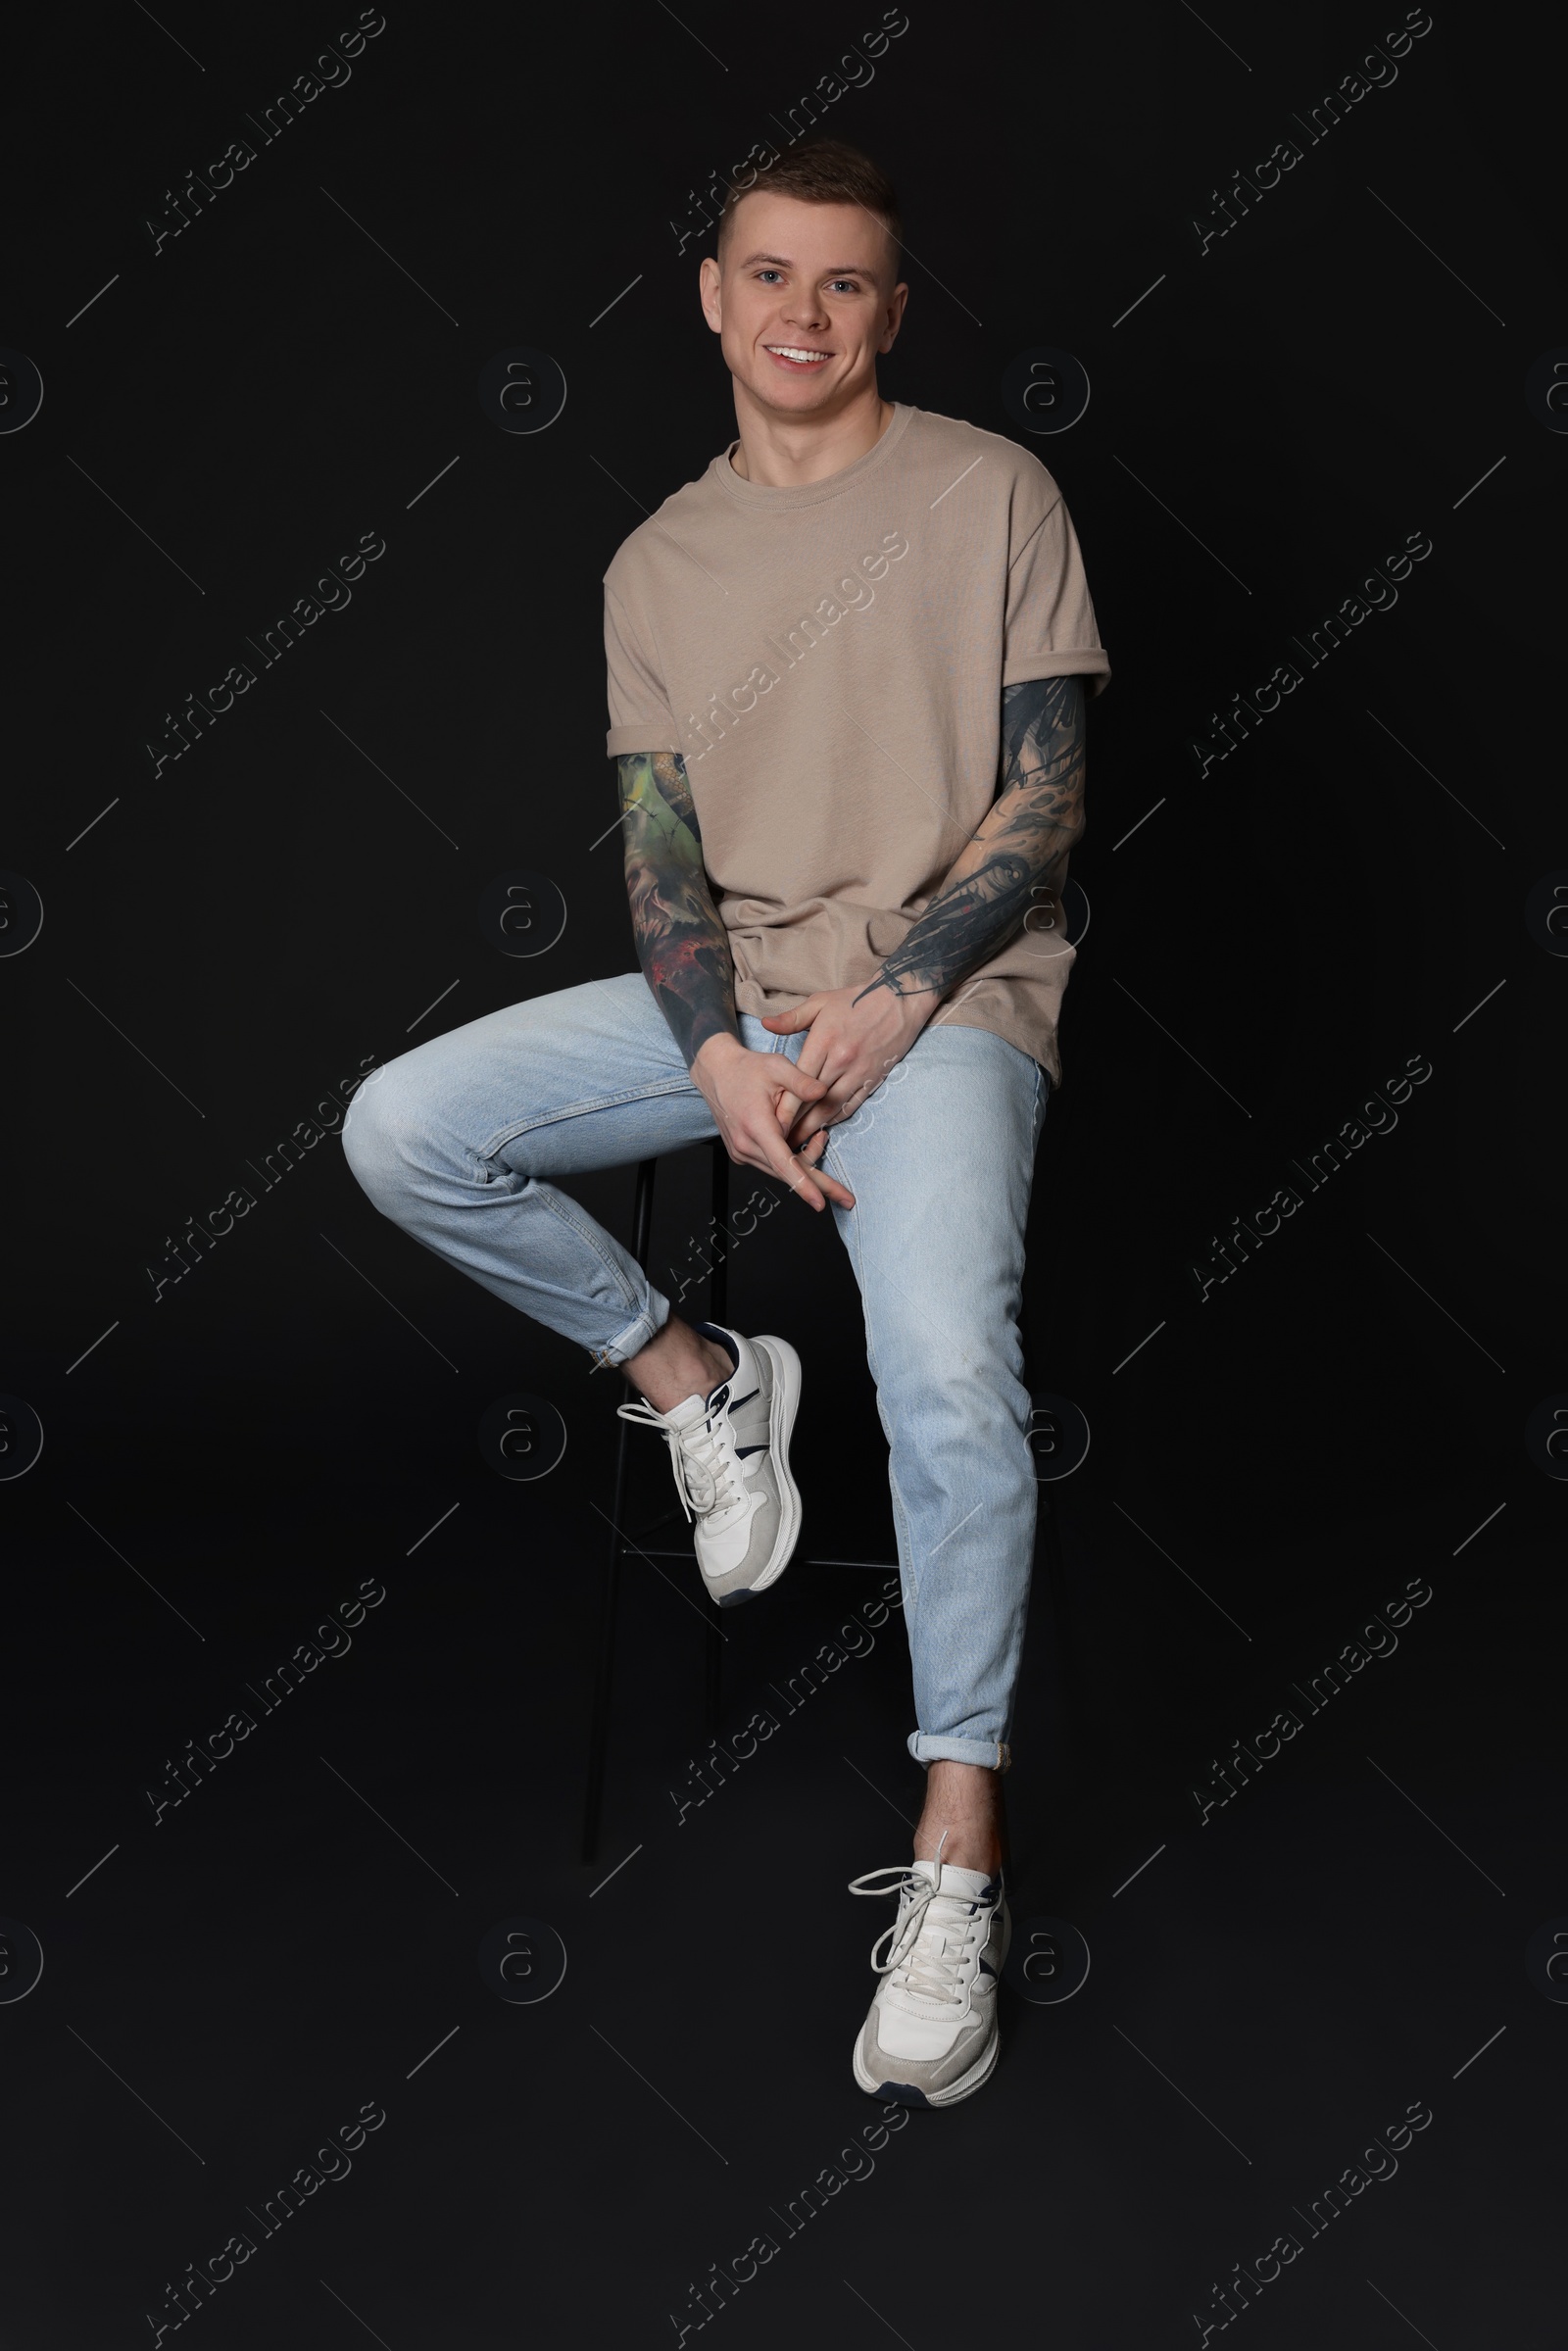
{"points": [[962, 1852], [671, 1368], [963, 1800]]}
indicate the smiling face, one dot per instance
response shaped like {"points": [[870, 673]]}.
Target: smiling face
{"points": [[803, 303]]}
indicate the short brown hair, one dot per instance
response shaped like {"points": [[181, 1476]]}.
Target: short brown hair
{"points": [[824, 171]]}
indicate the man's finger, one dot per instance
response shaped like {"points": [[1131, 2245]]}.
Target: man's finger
{"points": [[800, 1082], [830, 1184], [810, 1182], [813, 1151], [810, 1120], [787, 1023]]}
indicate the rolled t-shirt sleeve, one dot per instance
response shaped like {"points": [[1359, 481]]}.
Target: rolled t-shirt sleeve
{"points": [[640, 716], [1051, 629]]}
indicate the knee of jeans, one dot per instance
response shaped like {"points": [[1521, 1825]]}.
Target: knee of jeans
{"points": [[378, 1130], [963, 1375], [930, 1332]]}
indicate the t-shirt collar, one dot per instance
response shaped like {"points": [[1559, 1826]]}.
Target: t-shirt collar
{"points": [[813, 493]]}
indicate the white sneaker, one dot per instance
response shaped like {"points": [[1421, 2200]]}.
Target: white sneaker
{"points": [[930, 2039], [732, 1455]]}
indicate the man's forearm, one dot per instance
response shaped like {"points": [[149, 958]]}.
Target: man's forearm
{"points": [[682, 944], [1018, 852]]}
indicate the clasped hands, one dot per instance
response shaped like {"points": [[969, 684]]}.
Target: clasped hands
{"points": [[856, 1037]]}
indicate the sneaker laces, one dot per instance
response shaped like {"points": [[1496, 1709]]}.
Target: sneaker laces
{"points": [[932, 1967], [706, 1474]]}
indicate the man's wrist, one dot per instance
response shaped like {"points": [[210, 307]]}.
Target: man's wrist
{"points": [[915, 1005], [713, 1048]]}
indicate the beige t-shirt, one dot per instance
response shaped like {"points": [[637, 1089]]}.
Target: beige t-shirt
{"points": [[829, 661]]}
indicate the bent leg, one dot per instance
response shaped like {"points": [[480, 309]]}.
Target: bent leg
{"points": [[941, 1162], [458, 1141]]}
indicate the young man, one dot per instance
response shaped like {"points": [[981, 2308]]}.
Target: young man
{"points": [[846, 682]]}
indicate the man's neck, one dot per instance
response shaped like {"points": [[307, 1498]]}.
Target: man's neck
{"points": [[787, 452]]}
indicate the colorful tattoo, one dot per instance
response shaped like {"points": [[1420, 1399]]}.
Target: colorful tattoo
{"points": [[1019, 853], [681, 941]]}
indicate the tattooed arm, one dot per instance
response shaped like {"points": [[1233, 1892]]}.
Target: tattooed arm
{"points": [[1021, 846], [1019, 849], [681, 941], [684, 951]]}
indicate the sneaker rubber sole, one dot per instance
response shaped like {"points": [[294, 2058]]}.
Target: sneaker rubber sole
{"points": [[904, 2093]]}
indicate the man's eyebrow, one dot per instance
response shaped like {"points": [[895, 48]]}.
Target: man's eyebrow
{"points": [[782, 262]]}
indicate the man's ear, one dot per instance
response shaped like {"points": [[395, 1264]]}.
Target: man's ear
{"points": [[892, 317], [710, 281]]}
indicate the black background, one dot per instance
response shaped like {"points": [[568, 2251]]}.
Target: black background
{"points": [[279, 908]]}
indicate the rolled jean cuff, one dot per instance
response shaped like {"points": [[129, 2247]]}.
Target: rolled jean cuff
{"points": [[631, 1340], [992, 1754]]}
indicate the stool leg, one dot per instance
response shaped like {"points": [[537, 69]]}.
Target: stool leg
{"points": [[609, 1603]]}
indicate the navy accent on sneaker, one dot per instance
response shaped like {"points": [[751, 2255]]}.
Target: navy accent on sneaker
{"points": [[903, 2093], [722, 1337]]}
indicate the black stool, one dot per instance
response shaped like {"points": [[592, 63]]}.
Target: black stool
{"points": [[620, 1545]]}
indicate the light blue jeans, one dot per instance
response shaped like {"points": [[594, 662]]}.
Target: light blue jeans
{"points": [[463, 1141]]}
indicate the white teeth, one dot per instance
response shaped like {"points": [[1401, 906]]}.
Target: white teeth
{"points": [[789, 350]]}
